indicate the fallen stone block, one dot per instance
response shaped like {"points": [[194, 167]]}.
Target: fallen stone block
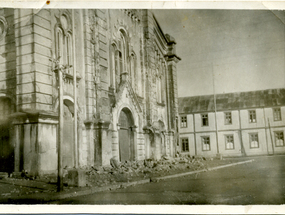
{"points": [[76, 177], [16, 175], [115, 163], [3, 175], [107, 168]]}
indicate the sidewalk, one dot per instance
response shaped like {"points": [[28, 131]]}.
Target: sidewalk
{"points": [[23, 191]]}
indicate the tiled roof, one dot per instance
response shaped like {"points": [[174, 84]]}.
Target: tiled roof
{"points": [[232, 101]]}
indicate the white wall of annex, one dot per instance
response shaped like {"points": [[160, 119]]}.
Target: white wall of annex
{"points": [[190, 124], [261, 140], [222, 143], [191, 142], [221, 120], [213, 144], [260, 121], [211, 121], [269, 115]]}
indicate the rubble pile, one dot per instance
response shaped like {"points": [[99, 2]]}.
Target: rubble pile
{"points": [[134, 170]]}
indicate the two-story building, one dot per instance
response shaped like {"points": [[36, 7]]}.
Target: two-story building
{"points": [[233, 124]]}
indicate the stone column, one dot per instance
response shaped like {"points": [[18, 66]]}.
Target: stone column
{"points": [[147, 143], [103, 145], [17, 139], [115, 144], [134, 130], [90, 141], [172, 144], [157, 142]]}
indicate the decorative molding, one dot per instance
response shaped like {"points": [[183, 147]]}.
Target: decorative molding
{"points": [[3, 27], [133, 14]]}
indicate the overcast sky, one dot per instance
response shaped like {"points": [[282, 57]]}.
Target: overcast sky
{"points": [[243, 49]]}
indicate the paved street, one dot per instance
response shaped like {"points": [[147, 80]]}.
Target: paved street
{"points": [[259, 182]]}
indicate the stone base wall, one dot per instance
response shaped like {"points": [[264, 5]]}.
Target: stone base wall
{"points": [[35, 143]]}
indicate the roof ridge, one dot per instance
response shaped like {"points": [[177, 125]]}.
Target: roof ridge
{"points": [[232, 101]]}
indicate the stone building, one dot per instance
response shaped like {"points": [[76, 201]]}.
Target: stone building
{"points": [[126, 88], [242, 124]]}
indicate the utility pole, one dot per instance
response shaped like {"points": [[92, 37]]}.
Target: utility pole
{"points": [[60, 131], [271, 135], [215, 107], [59, 69]]}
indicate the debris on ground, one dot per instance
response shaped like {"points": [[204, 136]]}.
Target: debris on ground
{"points": [[114, 174], [135, 170]]}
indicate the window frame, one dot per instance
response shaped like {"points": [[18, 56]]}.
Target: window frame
{"points": [[185, 145], [202, 119], [280, 132], [203, 143], [226, 141], [226, 117], [279, 118], [250, 113], [181, 122], [251, 139]]}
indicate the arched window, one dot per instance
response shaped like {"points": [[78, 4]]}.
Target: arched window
{"points": [[133, 75], [113, 68], [119, 53], [63, 47], [118, 67], [163, 87], [69, 51], [158, 86], [123, 50], [59, 45]]}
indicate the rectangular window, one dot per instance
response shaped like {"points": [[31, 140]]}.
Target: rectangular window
{"points": [[253, 140], [205, 121], [206, 143], [229, 142], [279, 138], [185, 144], [183, 123], [252, 116], [228, 118], [277, 114]]}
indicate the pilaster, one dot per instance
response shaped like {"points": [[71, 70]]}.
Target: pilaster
{"points": [[33, 45]]}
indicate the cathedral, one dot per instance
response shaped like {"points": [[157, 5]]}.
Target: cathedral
{"points": [[115, 72]]}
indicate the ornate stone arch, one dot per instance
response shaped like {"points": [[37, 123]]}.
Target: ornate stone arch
{"points": [[132, 111]]}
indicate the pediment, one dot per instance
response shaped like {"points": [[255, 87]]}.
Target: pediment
{"points": [[126, 92]]}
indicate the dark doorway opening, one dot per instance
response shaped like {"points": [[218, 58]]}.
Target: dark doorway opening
{"points": [[126, 136]]}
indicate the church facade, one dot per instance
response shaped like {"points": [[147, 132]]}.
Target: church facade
{"points": [[124, 67]]}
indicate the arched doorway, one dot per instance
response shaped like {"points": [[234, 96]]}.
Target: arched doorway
{"points": [[126, 136], [68, 137]]}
